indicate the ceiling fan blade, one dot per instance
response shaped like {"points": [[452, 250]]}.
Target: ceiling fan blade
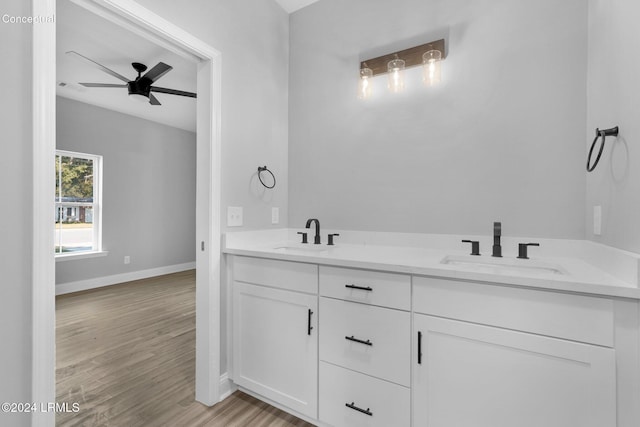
{"points": [[153, 100], [173, 91], [158, 71], [101, 85], [100, 66]]}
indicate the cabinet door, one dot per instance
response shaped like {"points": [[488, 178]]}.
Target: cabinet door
{"points": [[275, 345], [473, 375]]}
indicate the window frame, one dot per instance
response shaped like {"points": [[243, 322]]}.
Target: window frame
{"points": [[96, 249]]}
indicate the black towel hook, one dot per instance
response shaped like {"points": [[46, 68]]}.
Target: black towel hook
{"points": [[600, 134], [263, 169]]}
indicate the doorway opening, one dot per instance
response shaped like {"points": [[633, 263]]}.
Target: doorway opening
{"points": [[153, 27]]}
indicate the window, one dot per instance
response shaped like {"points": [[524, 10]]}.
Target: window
{"points": [[78, 203]]}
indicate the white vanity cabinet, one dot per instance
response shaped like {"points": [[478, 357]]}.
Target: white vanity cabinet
{"points": [[513, 357], [275, 332], [365, 368], [347, 347]]}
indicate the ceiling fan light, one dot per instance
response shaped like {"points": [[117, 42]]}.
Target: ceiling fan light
{"points": [[139, 98]]}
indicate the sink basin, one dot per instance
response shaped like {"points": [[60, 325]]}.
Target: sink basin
{"points": [[504, 265], [301, 248]]}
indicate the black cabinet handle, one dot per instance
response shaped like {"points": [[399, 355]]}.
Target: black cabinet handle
{"points": [[361, 288], [355, 408], [309, 327], [351, 338], [419, 348]]}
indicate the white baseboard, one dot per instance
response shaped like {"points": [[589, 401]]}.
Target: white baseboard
{"points": [[98, 282], [226, 386]]}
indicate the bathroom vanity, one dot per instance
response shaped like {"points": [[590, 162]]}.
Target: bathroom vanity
{"points": [[388, 335]]}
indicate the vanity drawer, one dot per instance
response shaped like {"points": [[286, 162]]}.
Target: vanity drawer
{"points": [[561, 315], [369, 287], [387, 404], [366, 338], [294, 276]]}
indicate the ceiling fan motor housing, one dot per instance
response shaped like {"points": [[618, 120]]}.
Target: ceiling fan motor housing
{"points": [[141, 86]]}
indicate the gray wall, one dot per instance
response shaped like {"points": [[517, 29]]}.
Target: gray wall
{"points": [[149, 189], [16, 221], [613, 91], [253, 38], [501, 139]]}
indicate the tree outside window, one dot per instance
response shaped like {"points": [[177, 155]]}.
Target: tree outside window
{"points": [[77, 214]]}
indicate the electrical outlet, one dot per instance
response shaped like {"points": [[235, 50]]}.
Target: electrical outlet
{"points": [[234, 216], [275, 215], [127, 259], [597, 220]]}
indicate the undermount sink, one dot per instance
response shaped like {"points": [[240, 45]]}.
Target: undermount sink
{"points": [[301, 248], [504, 265]]}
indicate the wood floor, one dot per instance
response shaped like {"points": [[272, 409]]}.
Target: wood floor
{"points": [[126, 355]]}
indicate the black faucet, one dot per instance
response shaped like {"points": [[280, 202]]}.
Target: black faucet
{"points": [[316, 239], [475, 246], [522, 249], [497, 232]]}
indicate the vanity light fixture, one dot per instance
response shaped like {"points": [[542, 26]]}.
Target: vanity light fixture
{"points": [[364, 85], [427, 55]]}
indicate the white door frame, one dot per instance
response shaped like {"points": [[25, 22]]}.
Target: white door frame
{"points": [[208, 192]]}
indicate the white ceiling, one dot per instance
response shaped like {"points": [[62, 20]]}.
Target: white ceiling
{"points": [[116, 48], [292, 5]]}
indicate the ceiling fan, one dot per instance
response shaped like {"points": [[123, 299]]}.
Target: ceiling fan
{"points": [[141, 87]]}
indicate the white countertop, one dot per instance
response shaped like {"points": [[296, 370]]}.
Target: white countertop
{"points": [[586, 267]]}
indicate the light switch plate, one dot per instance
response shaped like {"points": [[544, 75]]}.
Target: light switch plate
{"points": [[127, 259], [597, 220], [234, 216], [275, 215]]}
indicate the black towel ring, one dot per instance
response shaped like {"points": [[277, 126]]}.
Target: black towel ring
{"points": [[263, 169], [599, 134]]}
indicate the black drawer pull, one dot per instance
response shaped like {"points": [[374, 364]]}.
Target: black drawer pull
{"points": [[351, 338], [361, 288], [309, 327], [419, 348], [355, 408]]}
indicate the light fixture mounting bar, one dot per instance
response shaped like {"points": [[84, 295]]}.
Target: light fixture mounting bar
{"points": [[412, 57]]}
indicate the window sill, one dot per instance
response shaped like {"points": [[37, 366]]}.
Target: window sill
{"points": [[82, 255]]}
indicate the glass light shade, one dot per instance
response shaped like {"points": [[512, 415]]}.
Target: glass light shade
{"points": [[395, 70], [431, 73], [364, 85]]}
